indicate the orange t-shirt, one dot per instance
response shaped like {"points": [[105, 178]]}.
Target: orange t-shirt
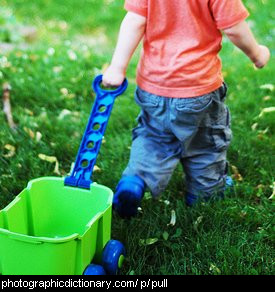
{"points": [[181, 44]]}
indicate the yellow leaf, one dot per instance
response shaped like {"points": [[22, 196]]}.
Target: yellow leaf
{"points": [[267, 110], [29, 132], [267, 98], [215, 269], [96, 168], [71, 96], [28, 112], [44, 157], [254, 126], [10, 149], [64, 91], [51, 159], [236, 175], [267, 86]]}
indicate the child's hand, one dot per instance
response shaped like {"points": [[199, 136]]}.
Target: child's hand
{"points": [[262, 58], [113, 77]]}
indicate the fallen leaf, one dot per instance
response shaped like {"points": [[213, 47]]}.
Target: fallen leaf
{"points": [[254, 127], [267, 110], [70, 96], [215, 269], [148, 241], [165, 202], [273, 191], [38, 136], [44, 157], [243, 214], [10, 149], [64, 91], [28, 112], [267, 86], [63, 114], [6, 176], [96, 168], [197, 222], [51, 159], [29, 132], [236, 175], [267, 98], [173, 218]]}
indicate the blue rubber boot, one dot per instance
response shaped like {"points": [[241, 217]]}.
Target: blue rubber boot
{"points": [[191, 199], [129, 193], [229, 183]]}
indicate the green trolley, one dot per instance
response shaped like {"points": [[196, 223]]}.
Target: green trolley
{"points": [[63, 227]]}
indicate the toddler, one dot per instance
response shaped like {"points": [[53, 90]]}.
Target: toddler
{"points": [[181, 92]]}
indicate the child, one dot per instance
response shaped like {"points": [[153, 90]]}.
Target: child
{"points": [[181, 94]]}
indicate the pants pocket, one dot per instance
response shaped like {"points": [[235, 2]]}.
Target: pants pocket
{"points": [[222, 134], [146, 100], [194, 105]]}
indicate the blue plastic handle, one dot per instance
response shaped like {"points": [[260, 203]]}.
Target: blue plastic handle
{"points": [[81, 176]]}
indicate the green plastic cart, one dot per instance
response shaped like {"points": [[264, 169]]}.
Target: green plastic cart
{"points": [[63, 227]]}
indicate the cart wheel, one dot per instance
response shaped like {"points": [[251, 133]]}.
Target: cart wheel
{"points": [[113, 256], [94, 270]]}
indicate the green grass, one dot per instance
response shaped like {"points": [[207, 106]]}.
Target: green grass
{"points": [[234, 236]]}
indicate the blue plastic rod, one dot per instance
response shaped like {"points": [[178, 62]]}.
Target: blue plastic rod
{"points": [[81, 176]]}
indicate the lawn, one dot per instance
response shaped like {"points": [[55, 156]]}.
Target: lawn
{"points": [[51, 101]]}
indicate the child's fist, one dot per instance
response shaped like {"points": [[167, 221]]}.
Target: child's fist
{"points": [[113, 77], [262, 58]]}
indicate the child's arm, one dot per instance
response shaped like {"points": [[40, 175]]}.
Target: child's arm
{"points": [[131, 32], [243, 38]]}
